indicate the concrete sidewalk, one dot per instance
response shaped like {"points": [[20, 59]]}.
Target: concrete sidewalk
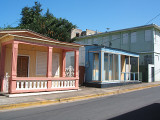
{"points": [[83, 93]]}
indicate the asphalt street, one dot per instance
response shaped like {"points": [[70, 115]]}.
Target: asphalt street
{"points": [[138, 105]]}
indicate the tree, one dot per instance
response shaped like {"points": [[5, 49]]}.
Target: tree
{"points": [[47, 24], [8, 27]]}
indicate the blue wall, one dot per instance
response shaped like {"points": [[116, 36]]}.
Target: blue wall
{"points": [[89, 59]]}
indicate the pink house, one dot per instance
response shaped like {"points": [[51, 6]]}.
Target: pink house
{"points": [[31, 62]]}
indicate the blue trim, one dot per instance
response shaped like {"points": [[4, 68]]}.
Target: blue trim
{"points": [[134, 76], [100, 65], [119, 67], [114, 51], [124, 76]]}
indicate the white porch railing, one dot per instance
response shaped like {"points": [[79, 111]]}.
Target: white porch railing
{"points": [[63, 84], [30, 85], [42, 84]]}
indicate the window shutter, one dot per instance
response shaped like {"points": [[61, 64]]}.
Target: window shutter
{"points": [[148, 35], [133, 37], [125, 38], [41, 63]]}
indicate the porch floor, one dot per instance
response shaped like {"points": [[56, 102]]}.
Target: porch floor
{"points": [[110, 84], [37, 93]]}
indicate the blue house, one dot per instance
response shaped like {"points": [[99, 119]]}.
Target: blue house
{"points": [[107, 67]]}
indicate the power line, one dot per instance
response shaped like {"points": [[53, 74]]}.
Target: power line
{"points": [[153, 18]]}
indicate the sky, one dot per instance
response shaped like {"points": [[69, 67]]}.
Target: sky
{"points": [[88, 14]]}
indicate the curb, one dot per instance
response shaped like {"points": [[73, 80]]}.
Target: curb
{"points": [[47, 102]]}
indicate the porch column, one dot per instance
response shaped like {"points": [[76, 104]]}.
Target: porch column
{"points": [[63, 63], [2, 65], [49, 62], [14, 66], [129, 74], [138, 68], [76, 67], [119, 67], [49, 66], [76, 63], [101, 66]]}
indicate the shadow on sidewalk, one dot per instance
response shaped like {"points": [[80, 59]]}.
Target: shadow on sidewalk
{"points": [[150, 112], [1, 94]]}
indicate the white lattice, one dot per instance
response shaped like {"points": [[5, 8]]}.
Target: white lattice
{"points": [[69, 71]]}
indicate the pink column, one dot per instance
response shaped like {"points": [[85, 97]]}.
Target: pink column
{"points": [[63, 63], [49, 65], [12, 85], [76, 67], [76, 63], [2, 65]]}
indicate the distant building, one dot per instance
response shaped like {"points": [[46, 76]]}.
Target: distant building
{"points": [[76, 33], [144, 40], [79, 33]]}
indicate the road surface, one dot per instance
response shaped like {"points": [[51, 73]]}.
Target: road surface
{"points": [[138, 105]]}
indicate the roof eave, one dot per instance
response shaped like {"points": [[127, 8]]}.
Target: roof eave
{"points": [[44, 40]]}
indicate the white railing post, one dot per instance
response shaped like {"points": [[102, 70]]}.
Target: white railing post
{"points": [[6, 83], [17, 85], [30, 85], [26, 85], [38, 84], [45, 84]]}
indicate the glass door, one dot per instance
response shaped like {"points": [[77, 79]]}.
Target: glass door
{"points": [[96, 67], [106, 62]]}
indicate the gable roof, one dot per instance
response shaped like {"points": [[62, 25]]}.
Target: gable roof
{"points": [[28, 34]]}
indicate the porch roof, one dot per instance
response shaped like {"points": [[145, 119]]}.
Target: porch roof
{"points": [[112, 50], [30, 36]]}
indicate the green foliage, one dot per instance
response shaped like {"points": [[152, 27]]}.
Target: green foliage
{"points": [[8, 27], [47, 24]]}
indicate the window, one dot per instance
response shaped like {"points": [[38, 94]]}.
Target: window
{"points": [[133, 37], [41, 63], [77, 34], [125, 38], [115, 37], [148, 35], [147, 59]]}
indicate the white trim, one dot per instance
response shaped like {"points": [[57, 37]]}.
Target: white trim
{"points": [[39, 93], [28, 61], [113, 53], [8, 31], [149, 72]]}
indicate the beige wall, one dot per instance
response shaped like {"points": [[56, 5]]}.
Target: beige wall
{"points": [[74, 31], [122, 66], [29, 50]]}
